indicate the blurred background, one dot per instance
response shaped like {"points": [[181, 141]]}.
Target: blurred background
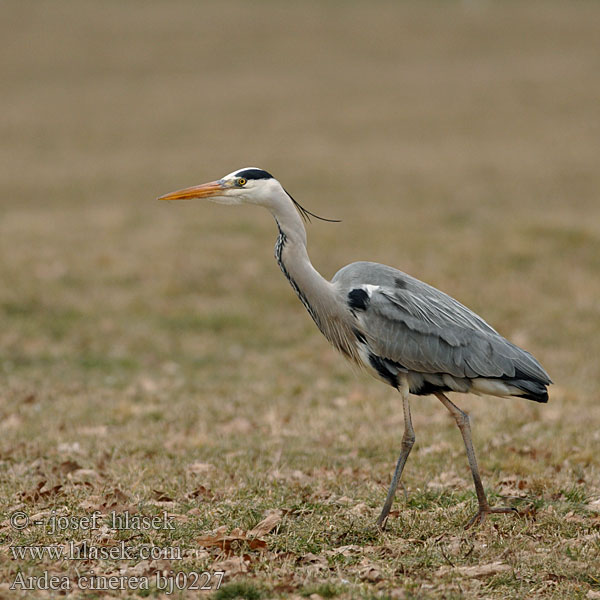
{"points": [[458, 141]]}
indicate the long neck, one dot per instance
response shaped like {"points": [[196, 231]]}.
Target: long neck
{"points": [[316, 293]]}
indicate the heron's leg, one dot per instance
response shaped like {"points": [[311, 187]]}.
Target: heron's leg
{"points": [[408, 440], [462, 420]]}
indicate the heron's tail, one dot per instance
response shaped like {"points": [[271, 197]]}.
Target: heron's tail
{"points": [[535, 390]]}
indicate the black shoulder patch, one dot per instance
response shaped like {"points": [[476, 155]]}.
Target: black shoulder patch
{"points": [[254, 174], [358, 299], [400, 283]]}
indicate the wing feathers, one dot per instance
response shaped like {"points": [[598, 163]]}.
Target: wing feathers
{"points": [[436, 334]]}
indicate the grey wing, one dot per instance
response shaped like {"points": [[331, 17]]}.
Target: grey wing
{"points": [[424, 330]]}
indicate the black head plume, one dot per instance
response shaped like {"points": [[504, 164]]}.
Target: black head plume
{"points": [[306, 214]]}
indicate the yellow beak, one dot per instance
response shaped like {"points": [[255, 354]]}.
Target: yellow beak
{"points": [[206, 190]]}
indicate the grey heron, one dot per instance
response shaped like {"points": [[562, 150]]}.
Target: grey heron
{"points": [[403, 331]]}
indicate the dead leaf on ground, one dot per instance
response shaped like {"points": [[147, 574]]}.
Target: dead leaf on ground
{"points": [[40, 492], [476, 571], [117, 496], [68, 466], [529, 510], [231, 566], [267, 524], [345, 550], [513, 486], [341, 500], [292, 476], [360, 509], [230, 542], [200, 492], [29, 399], [314, 559], [369, 570], [114, 500], [161, 496], [147, 568]]}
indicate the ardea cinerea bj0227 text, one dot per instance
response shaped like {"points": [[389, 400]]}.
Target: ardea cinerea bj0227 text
{"points": [[403, 331]]}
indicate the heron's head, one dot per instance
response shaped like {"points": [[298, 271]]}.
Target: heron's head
{"points": [[249, 185]]}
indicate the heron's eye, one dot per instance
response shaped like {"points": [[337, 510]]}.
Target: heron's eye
{"points": [[241, 181]]}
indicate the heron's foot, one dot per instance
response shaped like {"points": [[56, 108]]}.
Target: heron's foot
{"points": [[385, 513], [382, 522], [481, 515]]}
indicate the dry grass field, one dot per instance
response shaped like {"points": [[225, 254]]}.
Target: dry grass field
{"points": [[153, 360]]}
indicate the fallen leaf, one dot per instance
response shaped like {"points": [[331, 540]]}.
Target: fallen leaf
{"points": [[231, 566], [369, 571], [147, 567], [92, 503], [345, 550], [117, 495], [40, 492], [230, 542], [394, 514], [476, 571], [344, 500], [68, 466], [267, 524], [314, 559], [160, 496], [513, 486], [200, 491], [529, 510], [360, 509], [294, 476]]}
